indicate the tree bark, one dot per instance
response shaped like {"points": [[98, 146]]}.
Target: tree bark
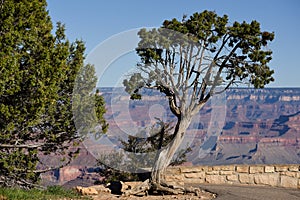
{"points": [[166, 154]]}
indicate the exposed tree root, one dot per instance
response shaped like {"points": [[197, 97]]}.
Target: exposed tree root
{"points": [[163, 188], [139, 190]]}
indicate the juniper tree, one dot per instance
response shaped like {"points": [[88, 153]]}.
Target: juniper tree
{"points": [[38, 67], [188, 61]]}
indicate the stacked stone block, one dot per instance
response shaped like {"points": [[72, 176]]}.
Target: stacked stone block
{"points": [[287, 176]]}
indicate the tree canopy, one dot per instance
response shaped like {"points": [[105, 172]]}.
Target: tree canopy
{"points": [[38, 69], [183, 54]]}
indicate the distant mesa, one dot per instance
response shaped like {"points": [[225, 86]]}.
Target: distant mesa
{"points": [[262, 126]]}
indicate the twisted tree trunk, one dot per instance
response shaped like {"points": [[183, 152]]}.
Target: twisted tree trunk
{"points": [[163, 160], [166, 154]]}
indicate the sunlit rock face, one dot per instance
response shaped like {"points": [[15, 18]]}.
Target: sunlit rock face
{"points": [[261, 126]]}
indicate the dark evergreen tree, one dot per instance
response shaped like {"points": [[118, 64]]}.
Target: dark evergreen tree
{"points": [[38, 69]]}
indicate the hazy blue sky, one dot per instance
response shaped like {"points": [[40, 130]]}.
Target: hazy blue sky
{"points": [[94, 21]]}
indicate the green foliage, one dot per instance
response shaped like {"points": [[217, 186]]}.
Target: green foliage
{"points": [[237, 51], [59, 191], [88, 105], [111, 165], [38, 70], [52, 192]]}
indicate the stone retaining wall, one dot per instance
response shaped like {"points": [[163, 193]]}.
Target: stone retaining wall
{"points": [[287, 176]]}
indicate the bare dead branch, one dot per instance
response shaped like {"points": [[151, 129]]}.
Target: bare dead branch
{"points": [[222, 67], [227, 86], [181, 68], [25, 146], [224, 42]]}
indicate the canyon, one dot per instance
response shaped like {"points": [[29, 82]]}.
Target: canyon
{"points": [[243, 126]]}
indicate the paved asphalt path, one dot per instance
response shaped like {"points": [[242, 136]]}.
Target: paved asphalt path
{"points": [[230, 192]]}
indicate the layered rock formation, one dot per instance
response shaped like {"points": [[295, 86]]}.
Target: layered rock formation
{"points": [[260, 125], [257, 127]]}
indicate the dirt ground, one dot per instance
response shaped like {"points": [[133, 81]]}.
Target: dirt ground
{"points": [[113, 191], [108, 196], [224, 192]]}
